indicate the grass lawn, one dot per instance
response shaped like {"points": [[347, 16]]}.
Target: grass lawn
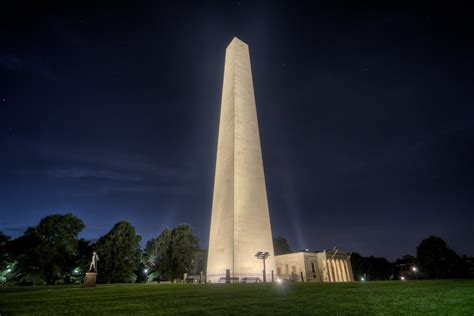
{"points": [[447, 297]]}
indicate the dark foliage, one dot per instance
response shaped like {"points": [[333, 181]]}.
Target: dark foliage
{"points": [[371, 268], [47, 253], [172, 253], [157, 255], [119, 254], [437, 261], [4, 257], [280, 246]]}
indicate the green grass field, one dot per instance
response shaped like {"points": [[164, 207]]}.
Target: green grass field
{"points": [[369, 298]]}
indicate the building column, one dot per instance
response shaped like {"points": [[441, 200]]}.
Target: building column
{"points": [[343, 277], [338, 272], [325, 271], [349, 268], [346, 268], [344, 271], [328, 265], [334, 274]]}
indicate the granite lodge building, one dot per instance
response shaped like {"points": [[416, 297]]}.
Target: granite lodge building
{"points": [[322, 266]]}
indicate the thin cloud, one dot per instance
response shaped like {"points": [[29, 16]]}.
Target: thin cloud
{"points": [[91, 173]]}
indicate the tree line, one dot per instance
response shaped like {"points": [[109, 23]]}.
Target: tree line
{"points": [[51, 253], [434, 260]]}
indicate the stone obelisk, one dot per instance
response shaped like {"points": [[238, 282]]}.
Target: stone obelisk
{"points": [[240, 223]]}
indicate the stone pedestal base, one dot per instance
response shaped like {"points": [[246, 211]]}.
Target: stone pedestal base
{"points": [[89, 280]]}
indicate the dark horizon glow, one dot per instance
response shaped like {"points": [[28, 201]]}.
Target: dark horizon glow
{"points": [[365, 112]]}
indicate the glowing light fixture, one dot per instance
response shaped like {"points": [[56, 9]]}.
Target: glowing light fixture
{"points": [[263, 255]]}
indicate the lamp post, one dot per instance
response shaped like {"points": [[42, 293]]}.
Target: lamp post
{"points": [[263, 255], [414, 269]]}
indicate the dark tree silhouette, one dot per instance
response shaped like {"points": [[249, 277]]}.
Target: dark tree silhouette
{"points": [[119, 254], [280, 246], [157, 255], [437, 261], [46, 254], [173, 253], [371, 268], [4, 257]]}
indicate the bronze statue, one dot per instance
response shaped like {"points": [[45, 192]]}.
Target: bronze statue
{"points": [[93, 264]]}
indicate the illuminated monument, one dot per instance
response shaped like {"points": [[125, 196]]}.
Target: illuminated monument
{"points": [[240, 223]]}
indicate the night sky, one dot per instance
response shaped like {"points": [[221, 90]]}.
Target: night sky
{"points": [[366, 117]]}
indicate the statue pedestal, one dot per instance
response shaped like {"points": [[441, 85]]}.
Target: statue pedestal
{"points": [[89, 280]]}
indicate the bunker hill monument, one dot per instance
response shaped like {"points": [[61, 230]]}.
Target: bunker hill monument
{"points": [[240, 223]]}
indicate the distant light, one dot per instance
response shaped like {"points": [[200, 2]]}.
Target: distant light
{"points": [[146, 270], [278, 280], [9, 270], [414, 269], [76, 270], [402, 278], [362, 279]]}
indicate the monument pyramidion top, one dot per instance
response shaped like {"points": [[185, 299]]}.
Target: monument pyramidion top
{"points": [[236, 41]]}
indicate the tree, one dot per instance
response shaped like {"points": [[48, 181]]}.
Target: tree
{"points": [[172, 253], [81, 261], [371, 268], [200, 261], [403, 268], [359, 266], [4, 258], [141, 273], [157, 255], [437, 260], [379, 268], [119, 254], [280, 246], [45, 254], [184, 246]]}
